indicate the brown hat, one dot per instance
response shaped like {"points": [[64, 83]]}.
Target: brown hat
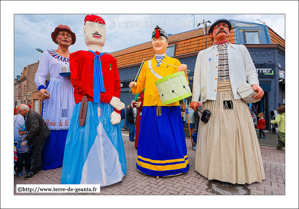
{"points": [[64, 28]]}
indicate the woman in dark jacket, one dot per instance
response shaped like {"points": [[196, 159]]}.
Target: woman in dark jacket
{"points": [[131, 118]]}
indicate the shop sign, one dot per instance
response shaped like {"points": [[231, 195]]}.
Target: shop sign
{"points": [[265, 71], [282, 74]]}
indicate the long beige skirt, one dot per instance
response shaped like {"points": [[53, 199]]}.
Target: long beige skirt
{"points": [[227, 146]]}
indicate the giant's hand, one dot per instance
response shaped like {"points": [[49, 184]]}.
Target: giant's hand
{"points": [[117, 104], [182, 67], [115, 118], [132, 84], [195, 105], [259, 90], [44, 94], [138, 104]]}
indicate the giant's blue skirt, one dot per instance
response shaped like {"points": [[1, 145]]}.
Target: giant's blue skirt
{"points": [[162, 147], [94, 153], [53, 149]]}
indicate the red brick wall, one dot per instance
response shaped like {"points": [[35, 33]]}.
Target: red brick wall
{"points": [[17, 92], [26, 84], [24, 91], [30, 76]]}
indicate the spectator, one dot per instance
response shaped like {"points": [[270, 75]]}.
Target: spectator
{"points": [[37, 134], [15, 156], [126, 120], [123, 116], [261, 125], [139, 105], [191, 119], [183, 114], [131, 117], [19, 120], [23, 153], [280, 118], [253, 108]]}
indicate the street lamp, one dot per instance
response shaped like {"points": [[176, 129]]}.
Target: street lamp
{"points": [[205, 28], [39, 50]]}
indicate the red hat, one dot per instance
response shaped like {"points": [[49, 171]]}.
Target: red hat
{"points": [[64, 28], [15, 111], [94, 18], [29, 106]]}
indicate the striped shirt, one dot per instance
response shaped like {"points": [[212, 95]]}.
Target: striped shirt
{"points": [[223, 70]]}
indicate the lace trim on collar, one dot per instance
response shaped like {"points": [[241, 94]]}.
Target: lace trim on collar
{"points": [[54, 54]]}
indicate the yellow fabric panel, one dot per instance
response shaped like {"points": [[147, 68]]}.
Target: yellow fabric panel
{"points": [[163, 167], [162, 161], [146, 79]]}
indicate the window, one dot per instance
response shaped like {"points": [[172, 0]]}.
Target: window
{"points": [[252, 37], [170, 51]]}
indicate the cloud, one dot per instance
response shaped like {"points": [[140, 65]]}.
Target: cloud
{"points": [[123, 31]]}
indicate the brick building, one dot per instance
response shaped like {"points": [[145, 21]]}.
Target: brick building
{"points": [[25, 88]]}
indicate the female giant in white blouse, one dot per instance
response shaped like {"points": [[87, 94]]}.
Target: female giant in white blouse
{"points": [[57, 95]]}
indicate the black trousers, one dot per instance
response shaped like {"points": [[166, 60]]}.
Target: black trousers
{"points": [[261, 132], [37, 156], [21, 157]]}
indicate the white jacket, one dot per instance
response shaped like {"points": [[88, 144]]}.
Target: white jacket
{"points": [[241, 68]]}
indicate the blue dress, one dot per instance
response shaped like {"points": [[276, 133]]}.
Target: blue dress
{"points": [[94, 153], [162, 147]]}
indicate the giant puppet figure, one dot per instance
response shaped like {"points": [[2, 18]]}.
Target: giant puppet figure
{"points": [[227, 145], [58, 96], [94, 152], [161, 145]]}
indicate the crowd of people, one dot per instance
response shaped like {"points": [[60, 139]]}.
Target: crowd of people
{"points": [[82, 115]]}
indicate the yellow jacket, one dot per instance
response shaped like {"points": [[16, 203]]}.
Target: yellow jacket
{"points": [[147, 80]]}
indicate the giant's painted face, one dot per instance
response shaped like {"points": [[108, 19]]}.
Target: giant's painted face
{"points": [[160, 45], [94, 33], [64, 38], [220, 32]]}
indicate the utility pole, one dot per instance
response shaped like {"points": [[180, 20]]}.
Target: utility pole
{"points": [[205, 28], [193, 20]]}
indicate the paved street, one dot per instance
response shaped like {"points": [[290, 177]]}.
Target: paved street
{"points": [[191, 183]]}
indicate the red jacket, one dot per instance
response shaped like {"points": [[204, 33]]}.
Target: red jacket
{"points": [[81, 67], [261, 123]]}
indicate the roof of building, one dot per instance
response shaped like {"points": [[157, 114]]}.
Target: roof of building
{"points": [[275, 38], [186, 43], [171, 39]]}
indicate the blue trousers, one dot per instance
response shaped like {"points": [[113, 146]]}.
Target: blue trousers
{"points": [[131, 132], [121, 124]]}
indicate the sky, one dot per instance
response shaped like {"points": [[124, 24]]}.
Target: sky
{"points": [[33, 31], [27, 25]]}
